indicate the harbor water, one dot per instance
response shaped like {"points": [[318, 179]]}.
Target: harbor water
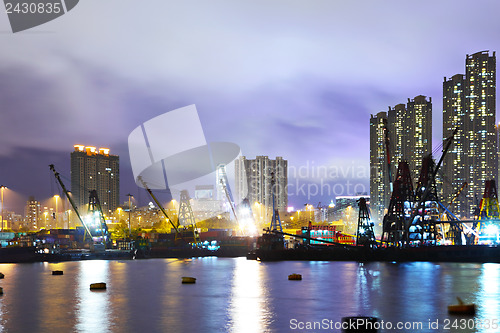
{"points": [[239, 295]]}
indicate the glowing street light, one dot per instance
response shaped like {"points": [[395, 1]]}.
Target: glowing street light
{"points": [[2, 188], [129, 211], [119, 210], [56, 197], [45, 219]]}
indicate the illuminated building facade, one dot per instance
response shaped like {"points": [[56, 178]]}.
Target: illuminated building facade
{"points": [[417, 138], [379, 175], [398, 133], [204, 206], [410, 139], [254, 181], [95, 169], [469, 104], [33, 213]]}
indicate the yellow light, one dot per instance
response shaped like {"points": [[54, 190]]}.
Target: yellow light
{"points": [[104, 151]]}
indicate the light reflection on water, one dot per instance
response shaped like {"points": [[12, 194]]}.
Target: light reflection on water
{"points": [[236, 295], [247, 304], [92, 306], [489, 292]]}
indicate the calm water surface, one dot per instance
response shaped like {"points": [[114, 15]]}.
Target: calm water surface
{"points": [[238, 295]]}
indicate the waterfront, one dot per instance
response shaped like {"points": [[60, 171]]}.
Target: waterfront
{"points": [[238, 295]]}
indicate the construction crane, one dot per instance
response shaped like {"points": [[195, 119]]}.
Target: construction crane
{"points": [[178, 234], [58, 178], [365, 235], [489, 220], [394, 221], [229, 198], [275, 222], [186, 215], [95, 207], [464, 185], [159, 205], [456, 229], [426, 192]]}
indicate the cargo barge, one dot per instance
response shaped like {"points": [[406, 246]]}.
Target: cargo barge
{"points": [[445, 253], [271, 247]]}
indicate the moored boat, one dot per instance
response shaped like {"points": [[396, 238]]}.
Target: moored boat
{"points": [[461, 308]]}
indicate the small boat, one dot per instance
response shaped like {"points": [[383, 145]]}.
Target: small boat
{"points": [[98, 286], [188, 279], [462, 308], [57, 272], [294, 277]]}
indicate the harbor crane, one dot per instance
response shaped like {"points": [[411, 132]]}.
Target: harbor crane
{"points": [[178, 234], [58, 178], [96, 209]]}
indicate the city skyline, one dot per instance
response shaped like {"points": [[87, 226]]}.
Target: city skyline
{"points": [[299, 84]]}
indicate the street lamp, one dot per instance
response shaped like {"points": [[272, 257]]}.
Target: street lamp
{"points": [[56, 197], [129, 210], [2, 188], [119, 210], [45, 213]]}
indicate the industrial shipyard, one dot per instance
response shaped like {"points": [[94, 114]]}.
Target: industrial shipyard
{"points": [[427, 201], [249, 166]]}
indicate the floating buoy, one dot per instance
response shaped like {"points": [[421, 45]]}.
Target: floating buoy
{"points": [[461, 308], [57, 272], [294, 277], [360, 324], [2, 275], [98, 286], [188, 279]]}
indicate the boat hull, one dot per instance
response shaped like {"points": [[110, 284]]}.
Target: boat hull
{"points": [[476, 254], [17, 254], [462, 309]]}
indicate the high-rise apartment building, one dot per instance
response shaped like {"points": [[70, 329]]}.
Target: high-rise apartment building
{"points": [[398, 132], [469, 104], [254, 181], [379, 175], [95, 169], [33, 213], [410, 139], [418, 122]]}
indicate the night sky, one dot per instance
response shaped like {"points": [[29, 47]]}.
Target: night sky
{"points": [[297, 79]]}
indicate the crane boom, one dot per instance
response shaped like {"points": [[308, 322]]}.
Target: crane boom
{"points": [[58, 178], [158, 204], [231, 203], [421, 202], [95, 204]]}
